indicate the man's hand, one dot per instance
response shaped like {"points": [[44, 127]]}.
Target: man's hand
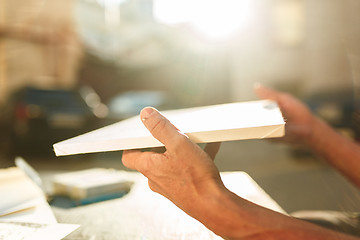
{"points": [[184, 171], [304, 128], [186, 175], [299, 119]]}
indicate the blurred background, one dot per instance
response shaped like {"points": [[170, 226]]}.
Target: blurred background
{"points": [[71, 66]]}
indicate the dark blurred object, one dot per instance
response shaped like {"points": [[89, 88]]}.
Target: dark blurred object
{"points": [[130, 103], [336, 107], [35, 118], [356, 124]]}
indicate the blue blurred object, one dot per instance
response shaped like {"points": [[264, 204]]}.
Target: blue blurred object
{"points": [[130, 103], [66, 202]]}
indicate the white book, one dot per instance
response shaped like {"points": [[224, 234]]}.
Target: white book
{"points": [[216, 123]]}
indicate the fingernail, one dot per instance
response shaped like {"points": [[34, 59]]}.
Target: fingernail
{"points": [[145, 113]]}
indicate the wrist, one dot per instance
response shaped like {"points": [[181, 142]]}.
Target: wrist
{"points": [[226, 214], [210, 207], [313, 136], [322, 137]]}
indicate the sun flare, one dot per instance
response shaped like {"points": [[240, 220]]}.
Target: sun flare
{"points": [[215, 19]]}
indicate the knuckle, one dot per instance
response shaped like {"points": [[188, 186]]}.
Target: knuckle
{"points": [[181, 143], [149, 165], [145, 168], [152, 186]]}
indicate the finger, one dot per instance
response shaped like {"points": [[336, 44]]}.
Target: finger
{"points": [[212, 149], [284, 100], [266, 92], [162, 129], [135, 159]]}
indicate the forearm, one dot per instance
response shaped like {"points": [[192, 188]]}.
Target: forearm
{"points": [[232, 217], [339, 151]]}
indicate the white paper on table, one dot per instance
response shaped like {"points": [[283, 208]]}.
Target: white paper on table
{"points": [[24, 211], [40, 213], [34, 231], [144, 214], [17, 191]]}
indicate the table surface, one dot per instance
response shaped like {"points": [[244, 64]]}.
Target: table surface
{"points": [[143, 214]]}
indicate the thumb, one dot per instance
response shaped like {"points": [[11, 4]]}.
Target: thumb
{"points": [[161, 128]]}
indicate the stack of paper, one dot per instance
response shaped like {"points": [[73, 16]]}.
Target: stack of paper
{"points": [[24, 211], [225, 122], [20, 193]]}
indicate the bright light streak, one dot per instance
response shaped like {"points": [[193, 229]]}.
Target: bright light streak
{"points": [[216, 19], [110, 2], [173, 11], [112, 11]]}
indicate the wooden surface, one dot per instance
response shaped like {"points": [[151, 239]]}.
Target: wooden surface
{"points": [[217, 123]]}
